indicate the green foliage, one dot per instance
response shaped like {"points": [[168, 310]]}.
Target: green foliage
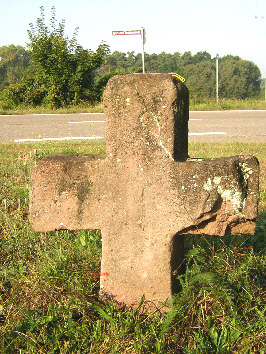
{"points": [[221, 292], [61, 71], [14, 62], [49, 295], [238, 78], [56, 72], [101, 83], [30, 92], [121, 62], [201, 79]]}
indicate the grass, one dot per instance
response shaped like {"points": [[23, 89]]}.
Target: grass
{"points": [[226, 104], [195, 105], [49, 295], [4, 110]]}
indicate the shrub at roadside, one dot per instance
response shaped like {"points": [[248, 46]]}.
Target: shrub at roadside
{"points": [[61, 72]]}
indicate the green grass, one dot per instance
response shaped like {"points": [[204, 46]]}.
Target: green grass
{"points": [[226, 104], [49, 295], [195, 105], [45, 109]]}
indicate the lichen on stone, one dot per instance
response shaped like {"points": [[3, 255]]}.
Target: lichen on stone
{"points": [[246, 171], [233, 196]]}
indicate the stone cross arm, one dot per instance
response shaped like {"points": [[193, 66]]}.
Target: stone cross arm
{"points": [[210, 196], [146, 193]]}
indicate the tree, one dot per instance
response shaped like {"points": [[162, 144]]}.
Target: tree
{"points": [[13, 64], [200, 79], [62, 72], [238, 78], [151, 62], [123, 62], [116, 61], [186, 58], [166, 63], [201, 56]]}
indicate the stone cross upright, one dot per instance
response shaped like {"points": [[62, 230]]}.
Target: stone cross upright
{"points": [[147, 193]]}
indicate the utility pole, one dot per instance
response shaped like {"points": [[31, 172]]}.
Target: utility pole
{"points": [[217, 78], [258, 17]]}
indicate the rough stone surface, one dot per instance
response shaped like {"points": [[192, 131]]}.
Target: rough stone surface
{"points": [[146, 194]]}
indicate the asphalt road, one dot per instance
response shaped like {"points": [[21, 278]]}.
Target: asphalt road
{"points": [[218, 126]]}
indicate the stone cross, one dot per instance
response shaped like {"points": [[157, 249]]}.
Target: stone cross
{"points": [[147, 193]]}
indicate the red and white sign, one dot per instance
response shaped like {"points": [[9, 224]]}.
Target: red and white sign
{"points": [[140, 32], [126, 33]]}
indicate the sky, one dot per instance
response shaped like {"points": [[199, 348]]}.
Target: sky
{"points": [[236, 27]]}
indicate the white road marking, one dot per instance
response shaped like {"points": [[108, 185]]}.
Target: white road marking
{"points": [[60, 139], [232, 110], [93, 137], [88, 121], [58, 114], [103, 121], [208, 133]]}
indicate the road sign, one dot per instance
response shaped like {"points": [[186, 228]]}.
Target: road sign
{"points": [[140, 32], [126, 33]]}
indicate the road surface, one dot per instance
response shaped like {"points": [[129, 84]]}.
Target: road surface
{"points": [[210, 126]]}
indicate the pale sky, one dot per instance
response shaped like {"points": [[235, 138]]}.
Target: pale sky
{"points": [[236, 27]]}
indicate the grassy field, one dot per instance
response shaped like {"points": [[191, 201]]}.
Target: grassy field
{"points": [[195, 105], [49, 295]]}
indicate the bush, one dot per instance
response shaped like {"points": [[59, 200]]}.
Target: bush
{"points": [[61, 72]]}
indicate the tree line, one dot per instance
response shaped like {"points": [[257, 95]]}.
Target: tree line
{"points": [[238, 78], [56, 71]]}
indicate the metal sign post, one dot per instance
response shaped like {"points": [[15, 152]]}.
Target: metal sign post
{"points": [[140, 32], [217, 78], [143, 36]]}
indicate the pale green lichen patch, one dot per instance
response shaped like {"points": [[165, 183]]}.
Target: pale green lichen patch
{"points": [[217, 180], [232, 196], [208, 185], [246, 171]]}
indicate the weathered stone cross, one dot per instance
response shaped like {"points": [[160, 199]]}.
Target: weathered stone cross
{"points": [[147, 192]]}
